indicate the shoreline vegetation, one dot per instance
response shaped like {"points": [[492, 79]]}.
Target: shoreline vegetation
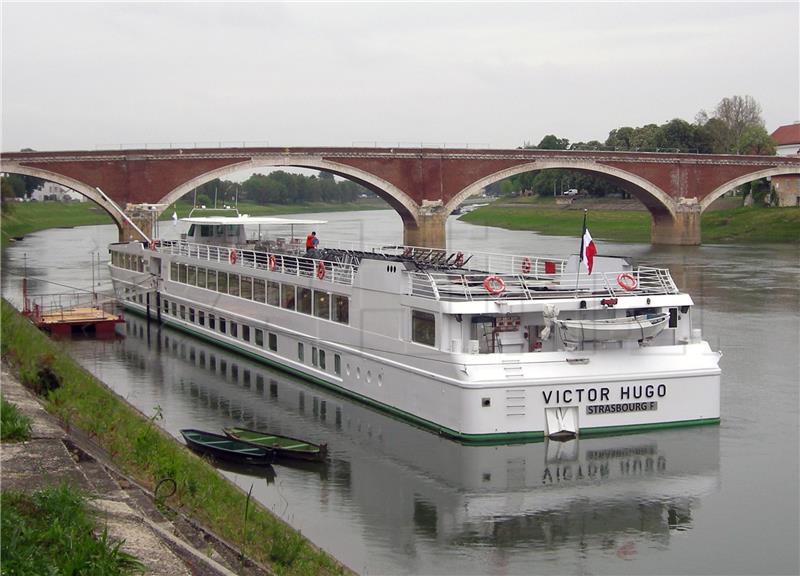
{"points": [[144, 451], [628, 220], [609, 219]]}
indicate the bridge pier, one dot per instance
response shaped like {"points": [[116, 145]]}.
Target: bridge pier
{"points": [[427, 231], [144, 218], [682, 229]]}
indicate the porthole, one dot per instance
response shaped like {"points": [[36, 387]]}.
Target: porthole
{"points": [[369, 377], [380, 379], [347, 369], [358, 372]]}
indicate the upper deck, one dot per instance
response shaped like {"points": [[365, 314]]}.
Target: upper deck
{"points": [[444, 275]]}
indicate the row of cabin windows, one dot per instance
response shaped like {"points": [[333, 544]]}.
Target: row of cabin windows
{"points": [[220, 324], [423, 325], [128, 261], [225, 326], [318, 303], [319, 358]]}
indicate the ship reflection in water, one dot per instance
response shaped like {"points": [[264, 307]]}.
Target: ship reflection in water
{"points": [[392, 496]]}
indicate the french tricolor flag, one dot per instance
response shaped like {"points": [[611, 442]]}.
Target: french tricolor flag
{"points": [[588, 249]]}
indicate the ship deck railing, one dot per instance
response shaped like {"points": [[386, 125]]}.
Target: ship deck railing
{"points": [[445, 275], [472, 287]]}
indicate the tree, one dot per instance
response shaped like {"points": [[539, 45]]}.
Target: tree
{"points": [[756, 140], [738, 113], [552, 142]]}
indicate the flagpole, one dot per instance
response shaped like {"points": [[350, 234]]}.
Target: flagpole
{"points": [[580, 254]]}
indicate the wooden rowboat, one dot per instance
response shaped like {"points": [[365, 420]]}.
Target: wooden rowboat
{"points": [[225, 448], [281, 446]]}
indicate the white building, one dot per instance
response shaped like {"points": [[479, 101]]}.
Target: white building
{"points": [[53, 191], [787, 188]]}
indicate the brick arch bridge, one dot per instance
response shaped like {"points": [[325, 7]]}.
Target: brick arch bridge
{"points": [[424, 185]]}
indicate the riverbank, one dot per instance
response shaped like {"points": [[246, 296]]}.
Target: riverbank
{"points": [[23, 218], [628, 221], [142, 451]]}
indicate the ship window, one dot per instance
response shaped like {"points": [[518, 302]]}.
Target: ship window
{"points": [[182, 273], [219, 230], [287, 296], [247, 287], [322, 359], [314, 357], [301, 354], [259, 337], [233, 284], [337, 364], [206, 231], [141, 264], [173, 271], [259, 290], [245, 332], [322, 304], [212, 280], [423, 327], [222, 325], [201, 317], [273, 293], [222, 282], [174, 309], [166, 306], [234, 329], [233, 230], [191, 314], [341, 309], [183, 311], [212, 322], [201, 277], [191, 275], [304, 300], [190, 233], [273, 342], [140, 299]]}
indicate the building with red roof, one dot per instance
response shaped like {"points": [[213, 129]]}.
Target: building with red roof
{"points": [[787, 188]]}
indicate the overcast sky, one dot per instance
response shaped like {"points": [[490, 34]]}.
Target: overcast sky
{"points": [[83, 76]]}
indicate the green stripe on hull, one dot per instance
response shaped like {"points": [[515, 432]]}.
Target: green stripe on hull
{"points": [[470, 439]]}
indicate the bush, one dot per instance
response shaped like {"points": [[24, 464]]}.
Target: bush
{"points": [[14, 425]]}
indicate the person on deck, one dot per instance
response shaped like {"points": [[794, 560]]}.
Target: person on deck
{"points": [[311, 243]]}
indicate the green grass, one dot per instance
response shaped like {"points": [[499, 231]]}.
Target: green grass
{"points": [[738, 225], [25, 217], [53, 532], [14, 425], [144, 451], [624, 226]]}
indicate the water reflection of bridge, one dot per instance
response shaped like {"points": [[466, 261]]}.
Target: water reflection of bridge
{"points": [[416, 486]]}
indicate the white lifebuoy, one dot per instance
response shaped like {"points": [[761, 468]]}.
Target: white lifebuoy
{"points": [[627, 282], [494, 285], [233, 256]]}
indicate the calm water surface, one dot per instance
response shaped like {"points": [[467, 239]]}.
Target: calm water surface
{"points": [[398, 500]]}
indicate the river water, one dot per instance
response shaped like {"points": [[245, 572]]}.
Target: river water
{"points": [[397, 500]]}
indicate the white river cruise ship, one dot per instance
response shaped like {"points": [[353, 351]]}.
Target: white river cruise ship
{"points": [[482, 348]]}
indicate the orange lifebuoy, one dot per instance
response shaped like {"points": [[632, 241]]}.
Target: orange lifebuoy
{"points": [[627, 282], [321, 270], [272, 262], [459, 259], [494, 285], [233, 256], [526, 265]]}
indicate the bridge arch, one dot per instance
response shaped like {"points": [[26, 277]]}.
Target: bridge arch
{"points": [[82, 188], [661, 202], [394, 196], [727, 186]]}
